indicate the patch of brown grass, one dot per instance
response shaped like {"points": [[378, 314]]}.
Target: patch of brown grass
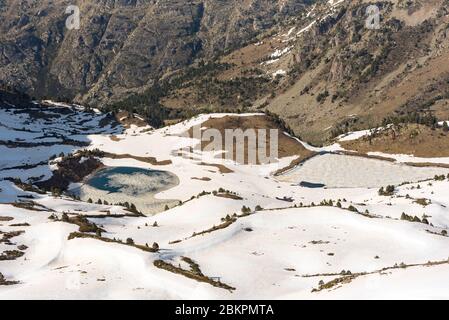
{"points": [[413, 139], [287, 146], [115, 138], [200, 179], [151, 160]]}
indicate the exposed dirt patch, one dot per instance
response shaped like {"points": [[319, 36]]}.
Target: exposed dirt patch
{"points": [[30, 205], [115, 138], [150, 160], [194, 273], [287, 146], [202, 179]]}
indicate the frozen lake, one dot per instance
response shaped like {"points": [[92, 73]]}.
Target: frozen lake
{"points": [[128, 184], [342, 171]]}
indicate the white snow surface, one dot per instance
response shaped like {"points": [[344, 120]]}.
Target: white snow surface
{"points": [[281, 251]]}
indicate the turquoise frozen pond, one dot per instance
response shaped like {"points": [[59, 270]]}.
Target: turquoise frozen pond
{"points": [[129, 184]]}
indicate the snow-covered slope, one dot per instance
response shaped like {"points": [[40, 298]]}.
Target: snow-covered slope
{"points": [[354, 244]]}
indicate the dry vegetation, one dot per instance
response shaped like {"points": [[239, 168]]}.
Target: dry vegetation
{"points": [[287, 146], [79, 235], [414, 139], [346, 277], [221, 168], [194, 273], [151, 160], [206, 179], [126, 119]]}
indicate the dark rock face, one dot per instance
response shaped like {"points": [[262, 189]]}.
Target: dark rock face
{"points": [[122, 46]]}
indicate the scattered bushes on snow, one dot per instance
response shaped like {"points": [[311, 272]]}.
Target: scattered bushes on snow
{"points": [[194, 273], [11, 255], [246, 210], [388, 191], [424, 202], [79, 235], [406, 217]]}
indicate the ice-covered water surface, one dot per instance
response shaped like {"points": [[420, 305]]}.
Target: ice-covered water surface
{"points": [[128, 184], [342, 171]]}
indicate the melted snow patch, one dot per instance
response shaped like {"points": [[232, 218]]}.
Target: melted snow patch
{"points": [[279, 73], [306, 28], [279, 53], [270, 61]]}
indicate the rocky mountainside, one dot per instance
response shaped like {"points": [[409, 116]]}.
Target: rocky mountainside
{"points": [[122, 46], [345, 76], [328, 71], [318, 64]]}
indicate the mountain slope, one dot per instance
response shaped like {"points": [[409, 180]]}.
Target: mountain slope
{"points": [[240, 233], [121, 46], [346, 76], [325, 73], [313, 63]]}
